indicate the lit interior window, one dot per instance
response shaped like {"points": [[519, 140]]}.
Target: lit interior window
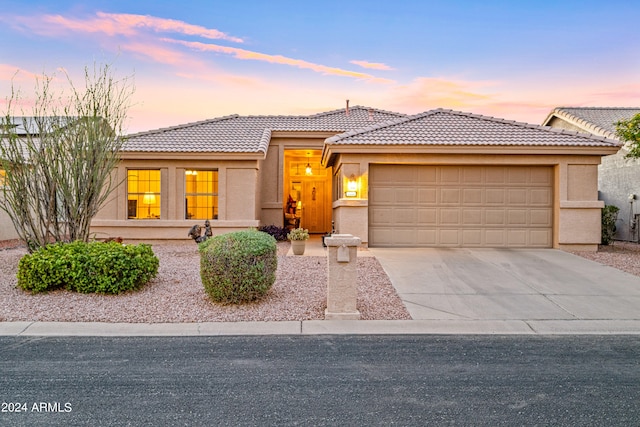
{"points": [[143, 194], [201, 194]]}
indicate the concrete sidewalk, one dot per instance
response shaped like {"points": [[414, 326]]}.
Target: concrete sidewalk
{"points": [[447, 291], [327, 327]]}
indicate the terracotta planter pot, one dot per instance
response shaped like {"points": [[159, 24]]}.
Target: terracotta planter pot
{"points": [[297, 246]]}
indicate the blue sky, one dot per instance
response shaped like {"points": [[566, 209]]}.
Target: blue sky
{"points": [[194, 60]]}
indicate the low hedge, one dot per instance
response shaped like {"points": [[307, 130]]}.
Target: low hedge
{"points": [[238, 267], [109, 268]]}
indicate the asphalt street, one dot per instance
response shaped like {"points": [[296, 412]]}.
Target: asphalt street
{"points": [[320, 380]]}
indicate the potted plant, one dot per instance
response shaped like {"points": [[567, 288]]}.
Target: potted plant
{"points": [[298, 236]]}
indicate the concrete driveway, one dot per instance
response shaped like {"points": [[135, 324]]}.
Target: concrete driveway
{"points": [[547, 290]]}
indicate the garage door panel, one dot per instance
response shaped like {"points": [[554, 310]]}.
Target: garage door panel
{"points": [[427, 237], [450, 196], [516, 196], [449, 175], [541, 176], [427, 176], [472, 176], [382, 195], [449, 237], [540, 217], [381, 217], [449, 217], [472, 217], [404, 216], [540, 238], [495, 196], [495, 238], [427, 196], [428, 217], [472, 196], [453, 206], [495, 217], [517, 237], [495, 175], [404, 237], [382, 235], [472, 237], [540, 196], [405, 195], [518, 175], [516, 217]]}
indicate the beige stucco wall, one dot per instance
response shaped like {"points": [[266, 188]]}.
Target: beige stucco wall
{"points": [[271, 186], [237, 202], [559, 123], [7, 230], [576, 205]]}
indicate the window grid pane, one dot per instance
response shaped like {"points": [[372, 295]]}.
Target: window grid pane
{"points": [[201, 194], [143, 198]]}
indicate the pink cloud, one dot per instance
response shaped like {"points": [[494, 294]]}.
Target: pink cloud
{"points": [[186, 66], [372, 65], [165, 25], [435, 92], [626, 95], [13, 72], [159, 53], [279, 59], [113, 24]]}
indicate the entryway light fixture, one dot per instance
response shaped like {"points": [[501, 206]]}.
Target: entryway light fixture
{"points": [[308, 170], [352, 187]]}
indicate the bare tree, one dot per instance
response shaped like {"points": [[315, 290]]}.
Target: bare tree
{"points": [[59, 172]]}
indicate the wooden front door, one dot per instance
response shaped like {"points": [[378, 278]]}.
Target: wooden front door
{"points": [[314, 206]]}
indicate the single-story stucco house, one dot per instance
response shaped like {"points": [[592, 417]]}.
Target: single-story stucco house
{"points": [[618, 176], [440, 178]]}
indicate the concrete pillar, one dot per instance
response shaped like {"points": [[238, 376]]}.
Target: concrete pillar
{"points": [[342, 284]]}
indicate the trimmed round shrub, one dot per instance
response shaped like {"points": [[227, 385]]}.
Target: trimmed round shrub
{"points": [[109, 268], [238, 267]]}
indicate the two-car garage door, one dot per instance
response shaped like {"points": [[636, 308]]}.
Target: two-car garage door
{"points": [[460, 206]]}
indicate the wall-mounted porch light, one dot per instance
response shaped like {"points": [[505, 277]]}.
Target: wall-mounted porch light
{"points": [[352, 187]]}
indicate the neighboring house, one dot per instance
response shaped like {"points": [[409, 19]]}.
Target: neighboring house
{"points": [[619, 176], [27, 130], [20, 127], [440, 178]]}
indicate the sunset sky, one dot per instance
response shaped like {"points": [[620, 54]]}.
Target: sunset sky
{"points": [[195, 60]]}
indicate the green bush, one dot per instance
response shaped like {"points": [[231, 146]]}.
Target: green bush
{"points": [[238, 267], [609, 218], [109, 268], [279, 233]]}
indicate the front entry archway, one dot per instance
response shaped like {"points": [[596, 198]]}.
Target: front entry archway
{"points": [[308, 188]]}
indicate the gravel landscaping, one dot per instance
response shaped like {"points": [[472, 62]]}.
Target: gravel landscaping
{"points": [[177, 295], [624, 256]]}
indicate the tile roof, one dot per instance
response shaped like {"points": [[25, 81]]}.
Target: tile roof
{"points": [[248, 134], [448, 127], [25, 125], [597, 120]]}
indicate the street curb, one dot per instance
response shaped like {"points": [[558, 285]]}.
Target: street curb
{"points": [[326, 327]]}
